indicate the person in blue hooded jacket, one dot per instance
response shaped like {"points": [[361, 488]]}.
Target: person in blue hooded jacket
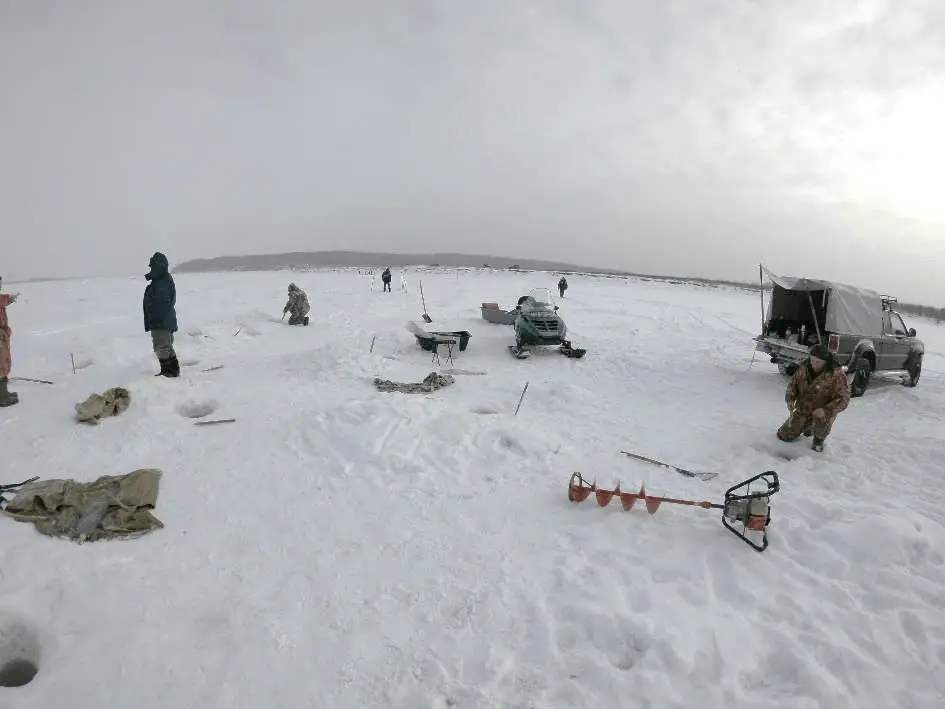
{"points": [[160, 314]]}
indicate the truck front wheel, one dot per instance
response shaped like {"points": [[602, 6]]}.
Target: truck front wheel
{"points": [[915, 371]]}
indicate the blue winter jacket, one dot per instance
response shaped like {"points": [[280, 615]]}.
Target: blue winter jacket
{"points": [[160, 297]]}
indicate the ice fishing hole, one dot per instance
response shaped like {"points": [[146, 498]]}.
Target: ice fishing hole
{"points": [[196, 409], [17, 672], [19, 653]]}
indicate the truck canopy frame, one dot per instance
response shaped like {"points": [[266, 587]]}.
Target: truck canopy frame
{"points": [[849, 310]]}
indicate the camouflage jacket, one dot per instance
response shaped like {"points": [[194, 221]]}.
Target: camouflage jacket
{"points": [[808, 391], [297, 304]]}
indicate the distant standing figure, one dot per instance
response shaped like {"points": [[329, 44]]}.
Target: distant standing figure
{"points": [[297, 306], [562, 286], [7, 397], [160, 314], [385, 277], [816, 394]]}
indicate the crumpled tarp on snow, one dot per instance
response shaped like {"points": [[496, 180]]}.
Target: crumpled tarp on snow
{"points": [[111, 507], [111, 403], [431, 382]]}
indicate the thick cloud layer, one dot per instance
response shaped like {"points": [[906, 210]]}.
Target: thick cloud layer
{"points": [[688, 138]]}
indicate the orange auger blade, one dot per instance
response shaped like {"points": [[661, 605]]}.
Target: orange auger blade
{"points": [[579, 489]]}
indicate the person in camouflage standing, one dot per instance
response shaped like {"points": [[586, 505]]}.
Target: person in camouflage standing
{"points": [[817, 393], [297, 305], [160, 314], [7, 397]]}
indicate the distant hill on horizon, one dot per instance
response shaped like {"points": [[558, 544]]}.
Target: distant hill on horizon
{"points": [[363, 259]]}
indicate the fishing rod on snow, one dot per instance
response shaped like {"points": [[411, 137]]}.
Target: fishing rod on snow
{"points": [[750, 509]]}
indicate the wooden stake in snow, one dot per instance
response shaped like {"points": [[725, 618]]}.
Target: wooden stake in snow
{"points": [[72, 357], [521, 398], [372, 343], [210, 423], [27, 379], [214, 368]]}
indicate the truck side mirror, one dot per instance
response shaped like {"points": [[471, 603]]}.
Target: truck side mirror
{"points": [[911, 332]]}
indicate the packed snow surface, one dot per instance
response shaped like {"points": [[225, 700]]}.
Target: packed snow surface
{"points": [[341, 547]]}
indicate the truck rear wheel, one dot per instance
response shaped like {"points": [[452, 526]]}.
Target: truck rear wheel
{"points": [[786, 369], [862, 371]]}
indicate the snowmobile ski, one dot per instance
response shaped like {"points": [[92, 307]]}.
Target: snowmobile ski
{"points": [[519, 352], [574, 352], [681, 471]]}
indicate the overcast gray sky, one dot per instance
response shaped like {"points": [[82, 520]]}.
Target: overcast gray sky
{"points": [[686, 137]]}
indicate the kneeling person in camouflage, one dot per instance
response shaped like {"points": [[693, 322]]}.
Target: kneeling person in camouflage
{"points": [[817, 392], [297, 306]]}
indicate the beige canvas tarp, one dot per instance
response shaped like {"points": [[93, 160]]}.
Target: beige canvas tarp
{"points": [[111, 507], [850, 310], [430, 383], [98, 406]]}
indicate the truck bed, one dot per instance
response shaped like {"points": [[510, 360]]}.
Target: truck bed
{"points": [[782, 347], [783, 350]]}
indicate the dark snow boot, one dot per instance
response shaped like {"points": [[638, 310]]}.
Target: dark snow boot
{"points": [[818, 445], [173, 367], [305, 320], [7, 398], [163, 372]]}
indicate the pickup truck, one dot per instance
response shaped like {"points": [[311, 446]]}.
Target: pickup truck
{"points": [[860, 327]]}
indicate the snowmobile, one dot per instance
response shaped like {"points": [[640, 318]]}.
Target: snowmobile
{"points": [[537, 323]]}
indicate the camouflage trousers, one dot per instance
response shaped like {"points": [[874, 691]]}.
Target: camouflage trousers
{"points": [[163, 343], [6, 356], [800, 423]]}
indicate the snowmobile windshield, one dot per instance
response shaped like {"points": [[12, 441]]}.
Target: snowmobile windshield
{"points": [[538, 299]]}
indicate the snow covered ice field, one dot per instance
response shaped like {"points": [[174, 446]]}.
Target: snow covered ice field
{"points": [[341, 547]]}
